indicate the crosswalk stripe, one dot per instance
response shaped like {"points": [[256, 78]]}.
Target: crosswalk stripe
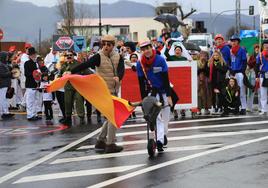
{"points": [[47, 157], [178, 129], [77, 173], [197, 136], [142, 171], [196, 127], [131, 153], [191, 121]]}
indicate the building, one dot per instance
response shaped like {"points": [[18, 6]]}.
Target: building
{"points": [[134, 29]]}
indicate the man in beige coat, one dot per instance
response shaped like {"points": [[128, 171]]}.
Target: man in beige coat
{"points": [[110, 66]]}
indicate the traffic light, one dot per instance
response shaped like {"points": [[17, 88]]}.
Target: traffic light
{"points": [[264, 3], [251, 10]]}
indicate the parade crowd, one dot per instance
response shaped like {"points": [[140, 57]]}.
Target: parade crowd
{"points": [[228, 80]]}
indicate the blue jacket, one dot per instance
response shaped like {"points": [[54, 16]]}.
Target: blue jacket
{"points": [[239, 61], [154, 75], [262, 64], [226, 54]]}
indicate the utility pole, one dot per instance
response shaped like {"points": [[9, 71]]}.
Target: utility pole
{"points": [[210, 10], [100, 26], [237, 17], [40, 39]]}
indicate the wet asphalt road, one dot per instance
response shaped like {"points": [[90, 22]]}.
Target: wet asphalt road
{"points": [[226, 152]]}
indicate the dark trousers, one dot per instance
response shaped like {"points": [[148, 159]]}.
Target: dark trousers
{"points": [[48, 109], [89, 109], [60, 98], [217, 100]]}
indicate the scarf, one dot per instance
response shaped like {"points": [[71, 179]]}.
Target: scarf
{"points": [[265, 54], [235, 50], [147, 63], [220, 46], [212, 63]]}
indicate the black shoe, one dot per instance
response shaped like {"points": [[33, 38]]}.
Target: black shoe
{"points": [[243, 112], [88, 119], [183, 113], [113, 148], [61, 120], [38, 117], [7, 116], [39, 113], [33, 118], [67, 121], [133, 115], [82, 121], [159, 146], [176, 116], [165, 140], [100, 145]]}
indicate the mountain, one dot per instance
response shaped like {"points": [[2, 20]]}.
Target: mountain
{"points": [[21, 20], [222, 23]]}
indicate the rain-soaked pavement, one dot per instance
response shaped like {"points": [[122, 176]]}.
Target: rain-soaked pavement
{"points": [[227, 152]]}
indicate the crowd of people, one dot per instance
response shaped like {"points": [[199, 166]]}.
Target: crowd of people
{"points": [[228, 80]]}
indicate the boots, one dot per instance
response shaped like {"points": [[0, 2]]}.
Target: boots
{"points": [[113, 148], [82, 120], [67, 121]]}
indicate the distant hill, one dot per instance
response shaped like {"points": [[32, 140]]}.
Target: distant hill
{"points": [[22, 20]]}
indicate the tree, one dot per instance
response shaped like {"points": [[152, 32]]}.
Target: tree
{"points": [[67, 12], [231, 31], [81, 14]]}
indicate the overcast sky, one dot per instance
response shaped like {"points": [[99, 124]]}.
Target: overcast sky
{"points": [[200, 5]]}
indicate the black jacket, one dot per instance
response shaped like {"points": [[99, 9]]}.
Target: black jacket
{"points": [[29, 67], [218, 75], [5, 76]]}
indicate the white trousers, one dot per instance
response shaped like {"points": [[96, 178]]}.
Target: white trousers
{"points": [[263, 97], [250, 100], [239, 77], [39, 101], [31, 102], [163, 120], [3, 101]]}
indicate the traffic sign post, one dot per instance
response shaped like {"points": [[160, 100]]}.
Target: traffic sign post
{"points": [[62, 43]]}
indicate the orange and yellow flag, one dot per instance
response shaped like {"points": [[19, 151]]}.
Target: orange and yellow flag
{"points": [[94, 89]]}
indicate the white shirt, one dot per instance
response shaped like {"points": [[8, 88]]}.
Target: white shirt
{"points": [[46, 96]]}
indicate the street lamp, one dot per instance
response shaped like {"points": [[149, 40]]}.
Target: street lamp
{"points": [[215, 18], [100, 30]]}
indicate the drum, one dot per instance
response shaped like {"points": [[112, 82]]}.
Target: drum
{"points": [[37, 75]]}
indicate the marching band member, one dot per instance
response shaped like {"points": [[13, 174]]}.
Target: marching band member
{"points": [[31, 71]]}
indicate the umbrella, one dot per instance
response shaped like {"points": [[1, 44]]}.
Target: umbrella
{"points": [[191, 46], [170, 19]]}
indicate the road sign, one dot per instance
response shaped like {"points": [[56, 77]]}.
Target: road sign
{"points": [[1, 34], [62, 43], [79, 43]]}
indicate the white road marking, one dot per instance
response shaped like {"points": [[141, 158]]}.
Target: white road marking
{"points": [[190, 121], [131, 153], [47, 157], [196, 127], [175, 161], [77, 173], [196, 136]]}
